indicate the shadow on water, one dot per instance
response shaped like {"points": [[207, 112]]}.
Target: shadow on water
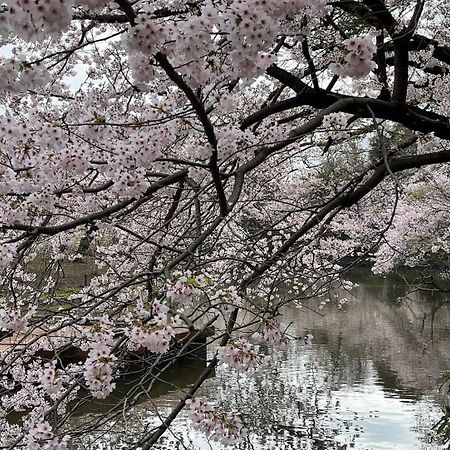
{"points": [[175, 379]]}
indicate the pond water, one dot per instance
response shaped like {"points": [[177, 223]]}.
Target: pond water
{"points": [[369, 380]]}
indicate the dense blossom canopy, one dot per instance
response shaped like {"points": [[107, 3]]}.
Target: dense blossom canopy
{"points": [[200, 156]]}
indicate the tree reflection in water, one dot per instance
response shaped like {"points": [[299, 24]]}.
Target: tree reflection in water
{"points": [[368, 381]]}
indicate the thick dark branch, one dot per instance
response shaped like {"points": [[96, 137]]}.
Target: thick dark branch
{"points": [[400, 41], [421, 43], [191, 96], [206, 123], [126, 7], [128, 17], [414, 22], [440, 52], [273, 108], [311, 66], [377, 9], [101, 18], [401, 55], [290, 80], [52, 230], [414, 118], [396, 165], [373, 12], [381, 69], [401, 65], [306, 96]]}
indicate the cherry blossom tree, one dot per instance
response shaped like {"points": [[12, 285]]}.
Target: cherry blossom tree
{"points": [[202, 156]]}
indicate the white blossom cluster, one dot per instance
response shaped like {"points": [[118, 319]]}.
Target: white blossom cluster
{"points": [[358, 62], [226, 428], [271, 334], [41, 437], [39, 19], [225, 300], [156, 331], [335, 124], [15, 319], [7, 254], [51, 382], [17, 75], [98, 367], [243, 356], [147, 35], [244, 30], [185, 285]]}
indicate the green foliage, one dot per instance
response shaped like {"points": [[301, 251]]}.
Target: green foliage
{"points": [[65, 293]]}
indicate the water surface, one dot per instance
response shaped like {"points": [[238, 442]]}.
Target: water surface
{"points": [[368, 381]]}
